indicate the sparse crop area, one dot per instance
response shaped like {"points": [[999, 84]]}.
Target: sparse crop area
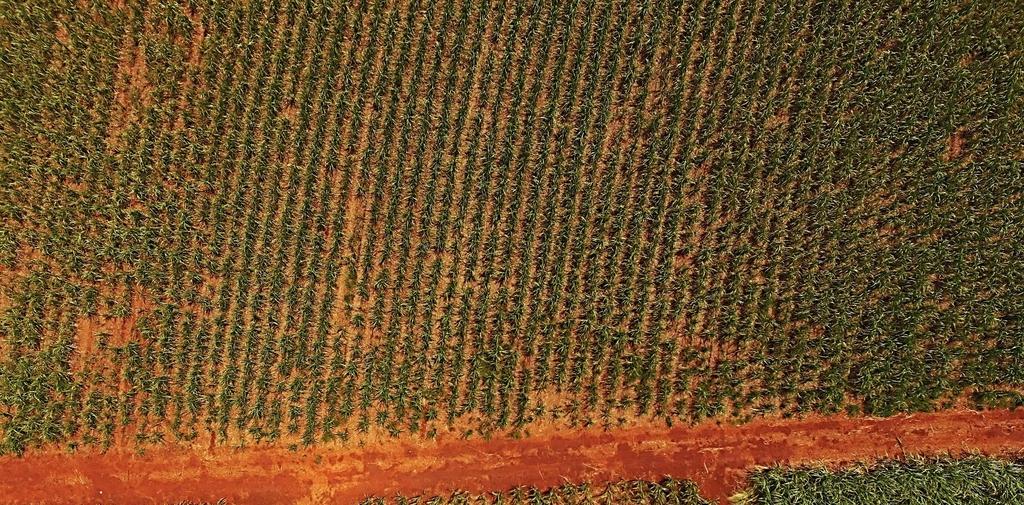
{"points": [[640, 492], [310, 223]]}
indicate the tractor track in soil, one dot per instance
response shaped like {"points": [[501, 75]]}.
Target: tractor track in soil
{"points": [[716, 456]]}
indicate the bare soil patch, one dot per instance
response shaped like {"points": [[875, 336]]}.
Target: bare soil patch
{"points": [[715, 456]]}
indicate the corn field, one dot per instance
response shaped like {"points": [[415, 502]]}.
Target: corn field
{"points": [[307, 221], [973, 480]]}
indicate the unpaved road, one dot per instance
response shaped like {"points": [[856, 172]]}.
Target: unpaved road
{"points": [[716, 457]]}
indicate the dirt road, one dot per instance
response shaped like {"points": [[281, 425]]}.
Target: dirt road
{"points": [[716, 457]]}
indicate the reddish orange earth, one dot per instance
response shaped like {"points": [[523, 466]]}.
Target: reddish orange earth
{"points": [[717, 457]]}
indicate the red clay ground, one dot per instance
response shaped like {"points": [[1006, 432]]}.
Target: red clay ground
{"points": [[716, 457]]}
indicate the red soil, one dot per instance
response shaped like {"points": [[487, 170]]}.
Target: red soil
{"points": [[716, 457]]}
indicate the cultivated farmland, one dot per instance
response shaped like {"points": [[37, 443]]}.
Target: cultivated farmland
{"points": [[320, 222], [970, 481]]}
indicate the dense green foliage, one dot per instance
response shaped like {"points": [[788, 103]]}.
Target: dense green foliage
{"points": [[638, 492], [307, 219], [970, 481]]}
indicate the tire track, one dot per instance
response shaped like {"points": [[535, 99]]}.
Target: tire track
{"points": [[717, 457]]}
